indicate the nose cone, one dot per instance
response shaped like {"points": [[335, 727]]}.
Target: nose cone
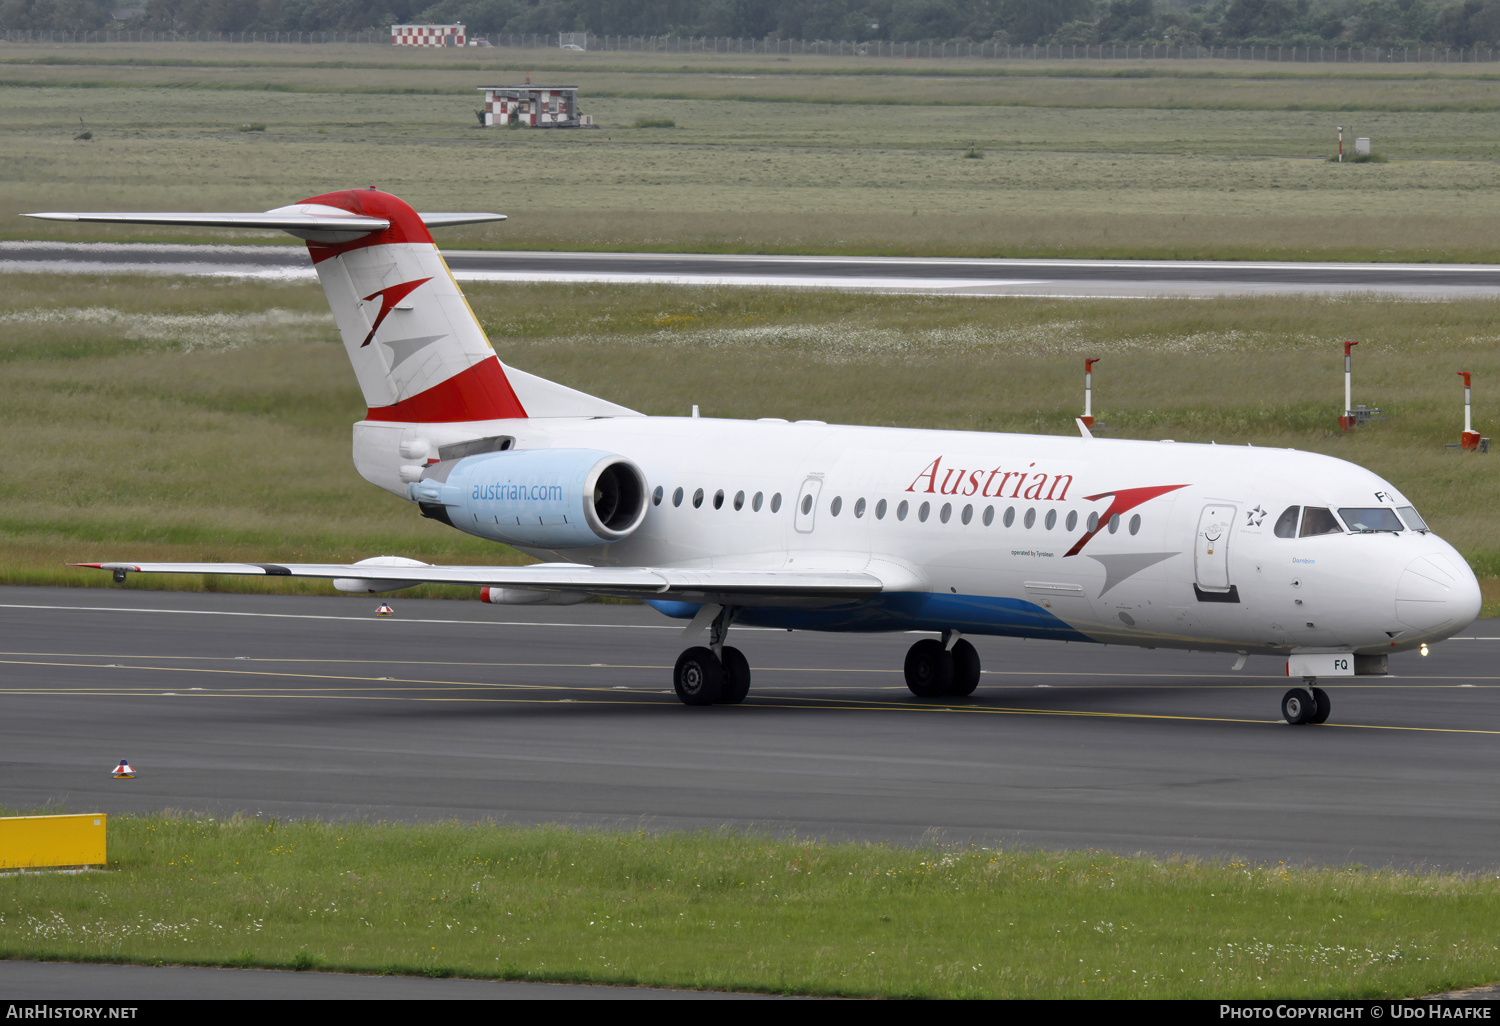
{"points": [[1437, 594]]}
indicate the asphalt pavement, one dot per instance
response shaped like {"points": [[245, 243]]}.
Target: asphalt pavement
{"points": [[302, 706]]}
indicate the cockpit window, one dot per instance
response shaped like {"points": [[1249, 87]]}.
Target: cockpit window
{"points": [[1378, 518], [1286, 524], [1316, 521], [1413, 520]]}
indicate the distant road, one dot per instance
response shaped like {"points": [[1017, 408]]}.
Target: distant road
{"points": [[1062, 278]]}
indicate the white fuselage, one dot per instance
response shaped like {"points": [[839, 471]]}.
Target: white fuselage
{"points": [[982, 532]]}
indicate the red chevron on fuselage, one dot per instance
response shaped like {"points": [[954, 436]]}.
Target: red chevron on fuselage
{"points": [[1125, 499]]}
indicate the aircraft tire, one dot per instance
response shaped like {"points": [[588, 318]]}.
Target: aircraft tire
{"points": [[698, 677], [1323, 708], [1297, 706], [965, 668], [929, 669], [736, 677]]}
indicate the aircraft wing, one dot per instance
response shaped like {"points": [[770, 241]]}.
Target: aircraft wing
{"points": [[770, 586]]}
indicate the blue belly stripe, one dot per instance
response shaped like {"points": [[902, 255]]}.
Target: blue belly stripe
{"points": [[906, 611]]}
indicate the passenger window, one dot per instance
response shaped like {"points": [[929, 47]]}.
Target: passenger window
{"points": [[755, 502], [946, 513], [989, 515], [1317, 522], [739, 501], [1093, 524], [1051, 520], [677, 497], [923, 511], [1135, 524], [1030, 520], [806, 504], [656, 496], [719, 499], [698, 499], [776, 503], [901, 510], [1010, 516], [859, 508], [1072, 519], [836, 505], [880, 510], [1114, 523], [968, 514], [1286, 524]]}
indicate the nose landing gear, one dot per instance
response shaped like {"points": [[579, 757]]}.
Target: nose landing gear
{"points": [[1307, 704]]}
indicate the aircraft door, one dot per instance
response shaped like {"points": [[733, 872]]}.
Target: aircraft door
{"points": [[1211, 547], [807, 504]]}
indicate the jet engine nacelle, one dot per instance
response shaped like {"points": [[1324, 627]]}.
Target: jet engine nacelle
{"points": [[536, 498]]}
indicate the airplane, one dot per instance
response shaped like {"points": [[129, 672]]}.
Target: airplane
{"points": [[815, 526]]}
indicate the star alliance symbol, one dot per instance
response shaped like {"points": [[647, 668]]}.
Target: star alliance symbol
{"points": [[1255, 516]]}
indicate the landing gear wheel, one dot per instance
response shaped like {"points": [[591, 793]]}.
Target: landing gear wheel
{"points": [[736, 677], [698, 677], [965, 668], [929, 669], [1298, 706], [1324, 706]]}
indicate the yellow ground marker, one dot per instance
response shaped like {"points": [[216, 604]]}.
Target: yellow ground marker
{"points": [[52, 842]]}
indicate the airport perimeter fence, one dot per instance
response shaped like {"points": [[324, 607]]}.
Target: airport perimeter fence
{"points": [[823, 47]]}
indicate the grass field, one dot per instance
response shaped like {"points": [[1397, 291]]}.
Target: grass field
{"points": [[810, 155], [735, 912], [204, 419]]}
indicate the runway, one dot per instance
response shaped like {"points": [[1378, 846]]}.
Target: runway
{"points": [[313, 707], [1059, 278]]}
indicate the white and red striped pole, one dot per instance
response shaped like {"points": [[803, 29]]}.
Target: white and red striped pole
{"points": [[1088, 390], [1347, 420], [1470, 438], [1341, 144]]}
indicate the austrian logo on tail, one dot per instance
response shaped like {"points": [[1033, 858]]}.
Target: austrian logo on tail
{"points": [[389, 297]]}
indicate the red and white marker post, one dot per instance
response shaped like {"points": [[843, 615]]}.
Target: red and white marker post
{"points": [[1088, 390], [1347, 420], [1470, 438]]}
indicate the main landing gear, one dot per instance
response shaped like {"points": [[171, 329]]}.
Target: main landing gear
{"points": [[942, 669], [716, 674], [1307, 704]]}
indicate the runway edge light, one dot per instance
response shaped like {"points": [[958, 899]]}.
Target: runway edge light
{"points": [[123, 771]]}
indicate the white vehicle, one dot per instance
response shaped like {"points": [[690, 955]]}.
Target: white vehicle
{"points": [[814, 526]]}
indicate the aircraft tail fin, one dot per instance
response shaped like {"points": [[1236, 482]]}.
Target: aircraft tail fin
{"points": [[417, 349]]}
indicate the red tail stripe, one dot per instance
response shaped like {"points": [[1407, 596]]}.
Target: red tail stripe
{"points": [[406, 225], [479, 393]]}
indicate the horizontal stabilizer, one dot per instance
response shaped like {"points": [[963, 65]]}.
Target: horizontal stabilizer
{"points": [[312, 221]]}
